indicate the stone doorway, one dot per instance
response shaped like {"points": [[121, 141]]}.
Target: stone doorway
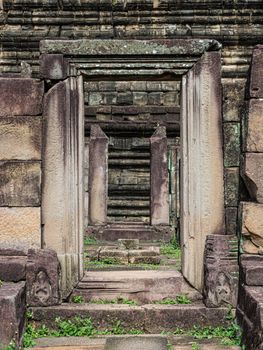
{"points": [[202, 209]]}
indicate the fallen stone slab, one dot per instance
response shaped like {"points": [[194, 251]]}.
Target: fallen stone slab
{"points": [[12, 313], [136, 343]]}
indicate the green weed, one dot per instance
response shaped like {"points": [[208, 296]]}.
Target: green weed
{"points": [[90, 240], [78, 299], [180, 299], [77, 327], [116, 301], [230, 335]]}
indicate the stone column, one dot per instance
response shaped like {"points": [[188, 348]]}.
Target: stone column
{"points": [[202, 186], [98, 176], [159, 178], [62, 193]]}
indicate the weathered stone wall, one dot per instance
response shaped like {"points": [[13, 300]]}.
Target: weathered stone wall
{"points": [[251, 209], [20, 163], [236, 24]]}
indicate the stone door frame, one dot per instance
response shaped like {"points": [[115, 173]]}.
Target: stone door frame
{"points": [[64, 60]]}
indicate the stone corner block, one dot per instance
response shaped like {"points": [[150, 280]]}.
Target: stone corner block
{"points": [[12, 313], [43, 275], [252, 171], [251, 270], [256, 83], [254, 132], [251, 219], [20, 228], [53, 66], [21, 96]]}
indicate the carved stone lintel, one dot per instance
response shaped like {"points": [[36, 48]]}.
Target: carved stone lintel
{"points": [[43, 278], [221, 270]]}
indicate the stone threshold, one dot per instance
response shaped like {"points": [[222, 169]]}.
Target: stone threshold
{"points": [[142, 317]]}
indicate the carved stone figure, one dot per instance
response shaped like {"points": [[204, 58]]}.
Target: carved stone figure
{"points": [[221, 271], [43, 278], [41, 288]]}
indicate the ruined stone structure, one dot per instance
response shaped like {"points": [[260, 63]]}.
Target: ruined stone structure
{"points": [[131, 120]]}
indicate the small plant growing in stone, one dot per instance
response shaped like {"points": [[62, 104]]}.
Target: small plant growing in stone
{"points": [[78, 299], [90, 240], [195, 346], [1, 283], [124, 301], [180, 299], [183, 299]]}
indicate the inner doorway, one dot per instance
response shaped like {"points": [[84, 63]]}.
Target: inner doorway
{"points": [[129, 114]]}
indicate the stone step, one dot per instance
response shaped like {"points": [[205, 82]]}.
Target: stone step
{"points": [[143, 286], [150, 318], [142, 232], [12, 312], [128, 342]]}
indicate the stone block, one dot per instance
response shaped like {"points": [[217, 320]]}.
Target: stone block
{"points": [[140, 98], [231, 186], [154, 86], [21, 96], [124, 98], [20, 183], [128, 243], [254, 124], [141, 259], [53, 66], [136, 343], [251, 220], [20, 138], [256, 84], [109, 98], [147, 255], [20, 228], [233, 98], [170, 99], [251, 271], [12, 313], [155, 98], [95, 98], [138, 85], [221, 270], [12, 268], [116, 255], [231, 144], [252, 171], [231, 220], [43, 278]]}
